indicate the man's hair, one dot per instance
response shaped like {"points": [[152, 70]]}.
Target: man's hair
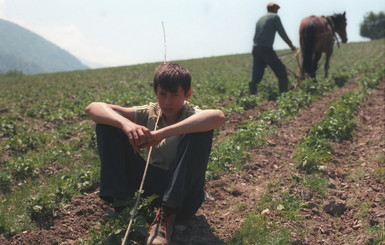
{"points": [[271, 6], [170, 76]]}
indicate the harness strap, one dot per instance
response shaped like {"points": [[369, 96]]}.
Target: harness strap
{"points": [[331, 24]]}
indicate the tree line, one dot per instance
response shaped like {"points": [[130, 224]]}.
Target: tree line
{"points": [[373, 26]]}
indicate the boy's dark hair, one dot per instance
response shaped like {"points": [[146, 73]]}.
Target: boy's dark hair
{"points": [[170, 75]]}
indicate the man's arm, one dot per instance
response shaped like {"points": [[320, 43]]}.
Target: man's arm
{"points": [[200, 122], [281, 31], [120, 117]]}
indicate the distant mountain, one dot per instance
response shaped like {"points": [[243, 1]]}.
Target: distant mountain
{"points": [[23, 50]]}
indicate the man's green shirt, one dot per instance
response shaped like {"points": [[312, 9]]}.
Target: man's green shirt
{"points": [[266, 28]]}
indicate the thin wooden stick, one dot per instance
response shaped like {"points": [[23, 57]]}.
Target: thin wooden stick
{"points": [[164, 41]]}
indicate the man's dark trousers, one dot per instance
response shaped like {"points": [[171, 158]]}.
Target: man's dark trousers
{"points": [[265, 56]]}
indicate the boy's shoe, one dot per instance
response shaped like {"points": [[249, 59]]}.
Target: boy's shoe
{"points": [[161, 228], [119, 205]]}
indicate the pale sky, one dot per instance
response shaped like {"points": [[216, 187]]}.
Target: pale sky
{"points": [[126, 32]]}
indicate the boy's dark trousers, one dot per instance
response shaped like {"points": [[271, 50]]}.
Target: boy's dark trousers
{"points": [[182, 186]]}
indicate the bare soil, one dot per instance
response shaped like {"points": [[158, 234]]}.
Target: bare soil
{"points": [[334, 219]]}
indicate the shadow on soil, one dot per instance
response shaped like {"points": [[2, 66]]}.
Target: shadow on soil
{"points": [[195, 231]]}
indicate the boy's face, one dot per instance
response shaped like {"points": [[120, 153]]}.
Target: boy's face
{"points": [[171, 103]]}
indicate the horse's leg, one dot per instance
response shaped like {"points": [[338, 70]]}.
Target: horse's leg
{"points": [[307, 48], [317, 56], [328, 55]]}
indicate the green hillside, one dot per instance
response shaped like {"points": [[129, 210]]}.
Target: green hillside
{"points": [[23, 50]]}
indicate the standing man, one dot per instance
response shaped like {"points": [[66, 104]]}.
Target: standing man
{"points": [[263, 53]]}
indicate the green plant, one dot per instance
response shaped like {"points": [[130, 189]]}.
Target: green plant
{"points": [[113, 230], [312, 88], [316, 182], [7, 128], [378, 234], [332, 128], [380, 173], [23, 169], [338, 124], [24, 142], [41, 207], [271, 116], [248, 102], [258, 229], [5, 182], [292, 101], [311, 153], [226, 155], [371, 80], [341, 80], [4, 227], [251, 134]]}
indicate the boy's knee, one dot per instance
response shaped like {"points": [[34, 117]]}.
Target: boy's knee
{"points": [[107, 129], [101, 128], [199, 137]]}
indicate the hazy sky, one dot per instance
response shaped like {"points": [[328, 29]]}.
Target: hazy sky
{"points": [[125, 32]]}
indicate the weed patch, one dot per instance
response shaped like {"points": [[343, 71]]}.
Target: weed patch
{"points": [[258, 229]]}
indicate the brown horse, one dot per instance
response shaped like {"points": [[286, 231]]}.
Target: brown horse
{"points": [[317, 36]]}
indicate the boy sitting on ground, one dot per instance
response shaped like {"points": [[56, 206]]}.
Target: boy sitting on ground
{"points": [[181, 147]]}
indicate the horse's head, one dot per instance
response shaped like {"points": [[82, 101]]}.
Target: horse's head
{"points": [[339, 21]]}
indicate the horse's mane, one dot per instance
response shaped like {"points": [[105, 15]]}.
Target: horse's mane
{"points": [[338, 17]]}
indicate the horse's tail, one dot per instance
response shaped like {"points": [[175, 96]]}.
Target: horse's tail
{"points": [[308, 43]]}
